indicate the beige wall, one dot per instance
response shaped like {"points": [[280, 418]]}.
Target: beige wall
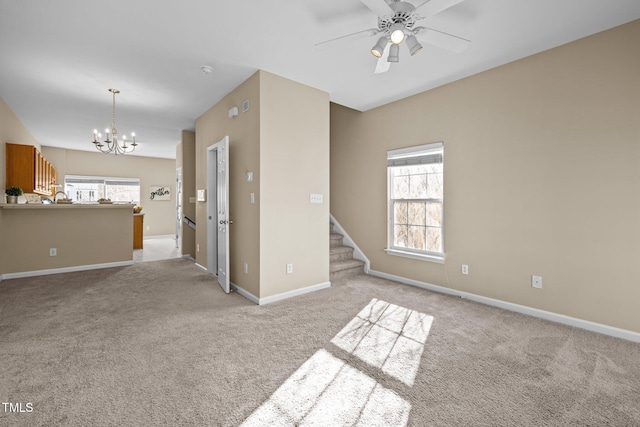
{"points": [[159, 218], [11, 130], [294, 162], [82, 235], [284, 140], [186, 159], [244, 152], [542, 176]]}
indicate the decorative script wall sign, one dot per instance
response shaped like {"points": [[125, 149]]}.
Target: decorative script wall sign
{"points": [[160, 192]]}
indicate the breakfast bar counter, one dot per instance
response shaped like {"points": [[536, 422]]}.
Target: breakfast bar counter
{"points": [[43, 206], [51, 238]]}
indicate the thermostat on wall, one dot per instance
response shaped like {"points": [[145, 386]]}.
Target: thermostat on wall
{"points": [[202, 195]]}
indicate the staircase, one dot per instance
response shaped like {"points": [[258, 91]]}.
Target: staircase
{"points": [[341, 261]]}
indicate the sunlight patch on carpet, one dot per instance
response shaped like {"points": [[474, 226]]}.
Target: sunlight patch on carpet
{"points": [[327, 391], [387, 337]]}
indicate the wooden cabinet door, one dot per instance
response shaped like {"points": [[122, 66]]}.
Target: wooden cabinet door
{"points": [[28, 169]]}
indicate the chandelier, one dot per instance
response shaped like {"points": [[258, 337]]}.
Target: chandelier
{"points": [[111, 144]]}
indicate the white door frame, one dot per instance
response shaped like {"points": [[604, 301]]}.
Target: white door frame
{"points": [[179, 207], [218, 211]]}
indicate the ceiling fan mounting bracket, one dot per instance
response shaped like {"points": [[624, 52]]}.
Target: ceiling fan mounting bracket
{"points": [[403, 14]]}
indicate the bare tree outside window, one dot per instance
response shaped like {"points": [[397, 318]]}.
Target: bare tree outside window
{"points": [[416, 194]]}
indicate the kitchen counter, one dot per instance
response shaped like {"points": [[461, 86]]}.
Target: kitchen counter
{"points": [[65, 206]]}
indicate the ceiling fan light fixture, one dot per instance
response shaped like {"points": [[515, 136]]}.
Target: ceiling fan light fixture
{"points": [[413, 45], [397, 33], [394, 52], [379, 47]]}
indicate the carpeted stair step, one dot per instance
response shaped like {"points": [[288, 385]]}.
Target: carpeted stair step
{"points": [[336, 239], [340, 253], [345, 268]]}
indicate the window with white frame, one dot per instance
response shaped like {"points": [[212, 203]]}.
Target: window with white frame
{"points": [[88, 189], [416, 196]]}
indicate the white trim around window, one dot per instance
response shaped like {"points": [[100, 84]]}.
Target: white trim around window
{"points": [[415, 196]]}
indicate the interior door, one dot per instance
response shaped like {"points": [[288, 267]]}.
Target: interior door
{"points": [[223, 213], [178, 206], [219, 212]]}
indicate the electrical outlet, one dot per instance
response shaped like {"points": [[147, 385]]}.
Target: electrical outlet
{"points": [[148, 227], [246, 268], [465, 269], [536, 282], [289, 268], [53, 252], [198, 247]]}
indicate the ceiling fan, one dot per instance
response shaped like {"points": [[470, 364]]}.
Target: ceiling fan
{"points": [[397, 24]]}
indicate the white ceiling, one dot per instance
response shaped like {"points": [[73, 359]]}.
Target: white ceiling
{"points": [[58, 58]]}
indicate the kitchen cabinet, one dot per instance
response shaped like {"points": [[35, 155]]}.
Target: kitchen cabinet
{"points": [[138, 224], [29, 170]]}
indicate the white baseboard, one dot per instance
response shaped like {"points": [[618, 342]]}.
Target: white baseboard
{"points": [[64, 270], [245, 293], [282, 296], [160, 236], [201, 267], [542, 314]]}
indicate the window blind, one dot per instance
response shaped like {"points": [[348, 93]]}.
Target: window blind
{"points": [[420, 155]]}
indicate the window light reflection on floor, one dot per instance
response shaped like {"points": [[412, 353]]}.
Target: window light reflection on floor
{"points": [[325, 391], [388, 337]]}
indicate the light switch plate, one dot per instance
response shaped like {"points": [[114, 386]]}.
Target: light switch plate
{"points": [[315, 198], [202, 195]]}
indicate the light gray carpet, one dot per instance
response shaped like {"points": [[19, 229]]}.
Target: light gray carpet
{"points": [[158, 343]]}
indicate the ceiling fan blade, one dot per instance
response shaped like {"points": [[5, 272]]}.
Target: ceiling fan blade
{"points": [[379, 7], [446, 41], [348, 37], [382, 66], [431, 7]]}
